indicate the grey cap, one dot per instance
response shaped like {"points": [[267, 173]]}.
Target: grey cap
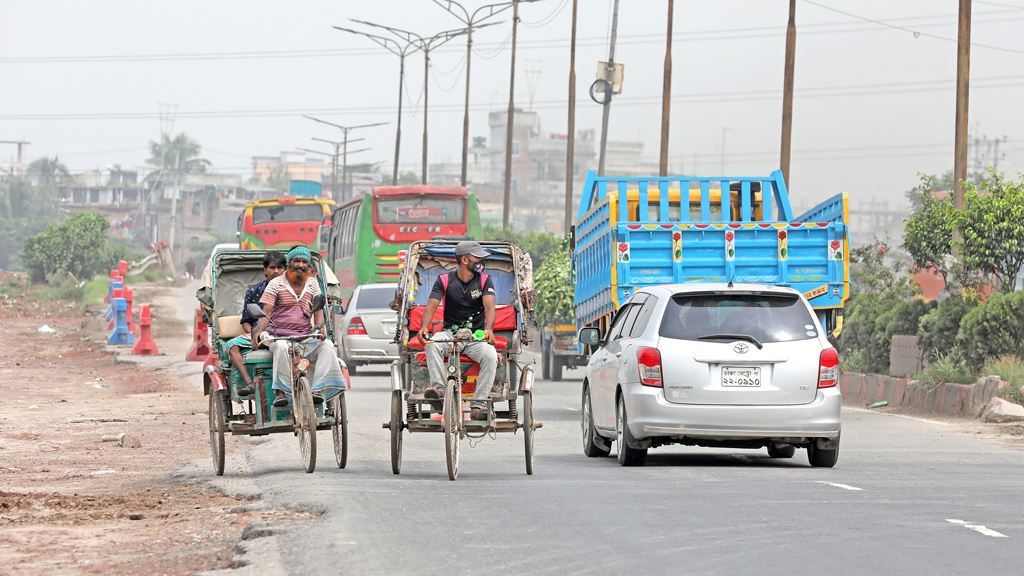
{"points": [[470, 247]]}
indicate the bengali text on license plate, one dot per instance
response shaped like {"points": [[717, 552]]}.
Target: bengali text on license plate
{"points": [[389, 327], [745, 377]]}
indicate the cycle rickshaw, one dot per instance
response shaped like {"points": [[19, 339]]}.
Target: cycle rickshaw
{"points": [[225, 281], [512, 273]]}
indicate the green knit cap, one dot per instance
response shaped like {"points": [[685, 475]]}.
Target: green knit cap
{"points": [[300, 252]]}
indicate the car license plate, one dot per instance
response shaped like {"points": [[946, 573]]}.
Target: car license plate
{"points": [[741, 377], [389, 327]]}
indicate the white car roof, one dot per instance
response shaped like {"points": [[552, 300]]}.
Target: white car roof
{"points": [[691, 287]]}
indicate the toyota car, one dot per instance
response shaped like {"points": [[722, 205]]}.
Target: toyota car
{"points": [[716, 365]]}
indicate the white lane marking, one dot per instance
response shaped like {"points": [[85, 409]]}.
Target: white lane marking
{"points": [[837, 485], [898, 416], [977, 528], [572, 408]]}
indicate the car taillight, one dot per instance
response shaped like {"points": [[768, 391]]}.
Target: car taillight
{"points": [[649, 362], [828, 368], [356, 328]]}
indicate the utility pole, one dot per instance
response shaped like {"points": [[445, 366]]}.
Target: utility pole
{"points": [[470, 20], [400, 50], [963, 80], [510, 124], [570, 162], [334, 163], [608, 90], [721, 167], [787, 93], [174, 199], [666, 95], [345, 130]]}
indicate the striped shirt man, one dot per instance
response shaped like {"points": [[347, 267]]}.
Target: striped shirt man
{"points": [[292, 312]]}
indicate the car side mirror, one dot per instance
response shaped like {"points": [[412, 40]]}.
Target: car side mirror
{"points": [[256, 310], [319, 301], [590, 336], [338, 310], [323, 237]]}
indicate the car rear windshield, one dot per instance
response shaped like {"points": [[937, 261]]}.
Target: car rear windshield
{"points": [[427, 210], [769, 318], [287, 213], [375, 298]]}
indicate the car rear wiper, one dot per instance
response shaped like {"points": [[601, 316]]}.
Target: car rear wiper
{"points": [[746, 337]]}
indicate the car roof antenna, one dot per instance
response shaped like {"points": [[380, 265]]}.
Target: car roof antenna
{"points": [[731, 279]]}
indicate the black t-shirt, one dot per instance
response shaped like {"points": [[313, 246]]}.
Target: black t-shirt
{"points": [[465, 300]]}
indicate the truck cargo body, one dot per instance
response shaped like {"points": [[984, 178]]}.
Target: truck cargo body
{"points": [[674, 230]]}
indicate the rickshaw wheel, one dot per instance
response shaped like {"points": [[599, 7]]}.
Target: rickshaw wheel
{"points": [[528, 429], [339, 429], [450, 420], [305, 422], [217, 430], [396, 431]]}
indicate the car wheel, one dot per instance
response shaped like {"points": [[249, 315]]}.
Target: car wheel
{"points": [[821, 458], [591, 446], [351, 367], [627, 456], [781, 451]]}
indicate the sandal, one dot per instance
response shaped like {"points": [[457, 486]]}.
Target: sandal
{"points": [[479, 414], [248, 390], [280, 400]]}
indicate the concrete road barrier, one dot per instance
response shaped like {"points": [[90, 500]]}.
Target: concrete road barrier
{"points": [[946, 398]]}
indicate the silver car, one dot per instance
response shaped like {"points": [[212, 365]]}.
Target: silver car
{"points": [[740, 366], [368, 326]]}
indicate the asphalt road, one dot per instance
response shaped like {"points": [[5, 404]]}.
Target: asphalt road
{"points": [[889, 506]]}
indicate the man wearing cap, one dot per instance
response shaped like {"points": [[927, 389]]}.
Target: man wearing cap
{"points": [[288, 303], [468, 300]]}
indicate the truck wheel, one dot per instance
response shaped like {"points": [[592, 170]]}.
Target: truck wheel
{"points": [[556, 367], [545, 365]]}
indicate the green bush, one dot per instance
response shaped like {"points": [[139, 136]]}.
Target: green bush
{"points": [[1011, 369], [949, 368], [936, 334], [77, 245], [993, 329], [870, 322], [554, 289], [539, 245]]}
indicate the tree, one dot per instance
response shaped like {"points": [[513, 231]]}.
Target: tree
{"points": [[47, 172], [408, 179], [181, 150], [992, 229], [279, 178], [539, 245], [554, 288], [942, 183], [77, 245], [928, 232]]}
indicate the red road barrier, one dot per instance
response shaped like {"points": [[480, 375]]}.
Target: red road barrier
{"points": [[122, 268], [200, 340], [145, 346]]}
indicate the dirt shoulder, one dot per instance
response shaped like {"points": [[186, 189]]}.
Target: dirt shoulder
{"points": [[71, 502]]}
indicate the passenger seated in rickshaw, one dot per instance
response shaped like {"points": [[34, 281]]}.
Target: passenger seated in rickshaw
{"points": [[468, 297], [273, 266], [288, 303]]}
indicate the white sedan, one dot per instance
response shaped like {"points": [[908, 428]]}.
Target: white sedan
{"points": [[739, 366]]}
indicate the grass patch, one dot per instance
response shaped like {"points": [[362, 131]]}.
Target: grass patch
{"points": [[948, 368], [853, 361], [95, 290], [1011, 369], [151, 274]]}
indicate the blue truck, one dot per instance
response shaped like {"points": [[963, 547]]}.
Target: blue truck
{"points": [[635, 232]]}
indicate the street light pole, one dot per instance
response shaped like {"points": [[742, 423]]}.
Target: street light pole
{"points": [[334, 165], [470, 21], [963, 83], [400, 50], [345, 130], [510, 123], [787, 93], [570, 162], [608, 90]]}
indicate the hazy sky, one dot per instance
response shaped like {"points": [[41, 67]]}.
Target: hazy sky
{"points": [[874, 105]]}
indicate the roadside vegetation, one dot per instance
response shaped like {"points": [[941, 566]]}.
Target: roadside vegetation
{"points": [[978, 327]]}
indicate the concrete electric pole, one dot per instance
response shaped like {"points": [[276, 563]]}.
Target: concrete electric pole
{"points": [[787, 93], [666, 95], [570, 147]]}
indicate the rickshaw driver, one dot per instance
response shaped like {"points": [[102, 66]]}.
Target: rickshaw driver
{"points": [[288, 302], [273, 266], [468, 298]]}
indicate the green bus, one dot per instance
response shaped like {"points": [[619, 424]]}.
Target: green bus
{"points": [[368, 232]]}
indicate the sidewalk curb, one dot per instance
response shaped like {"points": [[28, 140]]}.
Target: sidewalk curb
{"points": [[952, 399]]}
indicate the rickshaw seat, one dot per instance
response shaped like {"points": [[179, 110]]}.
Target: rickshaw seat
{"points": [[229, 327], [258, 355], [504, 317]]}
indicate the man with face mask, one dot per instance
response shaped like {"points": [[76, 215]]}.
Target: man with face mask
{"points": [[468, 297], [288, 302]]}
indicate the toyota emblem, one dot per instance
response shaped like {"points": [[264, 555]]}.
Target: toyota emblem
{"points": [[740, 348]]}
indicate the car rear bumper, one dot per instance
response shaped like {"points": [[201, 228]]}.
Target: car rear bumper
{"points": [[650, 416], [366, 349]]}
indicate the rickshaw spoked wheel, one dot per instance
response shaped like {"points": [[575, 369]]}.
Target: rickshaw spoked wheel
{"points": [[217, 424], [451, 420], [305, 422], [339, 429], [528, 429], [396, 431]]}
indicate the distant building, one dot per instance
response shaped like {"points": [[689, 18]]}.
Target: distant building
{"points": [[295, 165]]}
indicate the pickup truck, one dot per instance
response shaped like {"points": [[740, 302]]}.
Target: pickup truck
{"points": [[560, 350], [635, 232]]}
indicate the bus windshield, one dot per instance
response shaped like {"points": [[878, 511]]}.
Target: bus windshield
{"points": [[429, 210], [287, 213]]}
